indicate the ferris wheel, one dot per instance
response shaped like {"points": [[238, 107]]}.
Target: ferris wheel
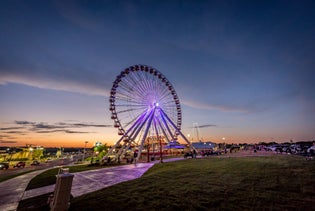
{"points": [[143, 104]]}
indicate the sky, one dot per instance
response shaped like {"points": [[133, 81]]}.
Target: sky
{"points": [[243, 70]]}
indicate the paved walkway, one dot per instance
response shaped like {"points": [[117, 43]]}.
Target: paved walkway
{"points": [[12, 191]]}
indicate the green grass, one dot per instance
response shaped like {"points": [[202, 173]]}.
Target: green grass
{"points": [[247, 183], [49, 177], [277, 182]]}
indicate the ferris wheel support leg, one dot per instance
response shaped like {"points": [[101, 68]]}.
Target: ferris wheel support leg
{"points": [[110, 152], [166, 125], [145, 134], [160, 142], [164, 133], [120, 152], [182, 135]]}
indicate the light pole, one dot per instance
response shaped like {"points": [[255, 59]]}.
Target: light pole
{"points": [[31, 152], [190, 147], [84, 150], [224, 144]]}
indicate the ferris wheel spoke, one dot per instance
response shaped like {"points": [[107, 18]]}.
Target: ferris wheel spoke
{"points": [[121, 104], [125, 116], [137, 80], [127, 88], [140, 82], [166, 96], [131, 88], [123, 95], [124, 99], [135, 119], [124, 108], [147, 84], [127, 110]]}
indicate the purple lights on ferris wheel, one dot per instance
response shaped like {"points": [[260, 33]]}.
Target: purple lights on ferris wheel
{"points": [[143, 104]]}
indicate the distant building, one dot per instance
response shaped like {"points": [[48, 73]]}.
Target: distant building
{"points": [[207, 145]]}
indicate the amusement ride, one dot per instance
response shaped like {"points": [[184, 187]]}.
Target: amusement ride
{"points": [[146, 112]]}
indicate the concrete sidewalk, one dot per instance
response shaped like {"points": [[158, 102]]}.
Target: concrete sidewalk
{"points": [[13, 190], [93, 180]]}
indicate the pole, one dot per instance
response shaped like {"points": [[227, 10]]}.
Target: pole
{"points": [[84, 150]]}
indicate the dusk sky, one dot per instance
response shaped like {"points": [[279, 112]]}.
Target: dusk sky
{"points": [[243, 70]]}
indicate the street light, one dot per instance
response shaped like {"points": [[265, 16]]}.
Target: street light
{"points": [[224, 144], [31, 152], [84, 150]]}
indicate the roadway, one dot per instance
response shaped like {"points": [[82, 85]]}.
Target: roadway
{"points": [[28, 167]]}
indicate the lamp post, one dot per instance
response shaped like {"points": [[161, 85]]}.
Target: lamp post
{"points": [[224, 144], [84, 150], [31, 152], [190, 140]]}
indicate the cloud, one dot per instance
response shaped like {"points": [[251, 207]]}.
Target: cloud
{"points": [[24, 122], [68, 85], [209, 125], [7, 142], [83, 125], [5, 136], [6, 132], [15, 132], [11, 128], [42, 127], [204, 126], [39, 126], [61, 131]]}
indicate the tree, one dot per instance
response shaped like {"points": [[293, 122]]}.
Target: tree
{"points": [[100, 150], [37, 154]]}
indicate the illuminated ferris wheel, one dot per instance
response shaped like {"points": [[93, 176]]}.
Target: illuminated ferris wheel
{"points": [[143, 103]]}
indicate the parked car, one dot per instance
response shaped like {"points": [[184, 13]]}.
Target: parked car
{"points": [[188, 154], [48, 160], [4, 166], [35, 163], [311, 150], [295, 148], [276, 148], [20, 164], [286, 148]]}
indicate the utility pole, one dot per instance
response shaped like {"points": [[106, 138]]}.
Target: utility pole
{"points": [[84, 150]]}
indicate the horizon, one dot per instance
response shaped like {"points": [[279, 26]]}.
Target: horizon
{"points": [[92, 144]]}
